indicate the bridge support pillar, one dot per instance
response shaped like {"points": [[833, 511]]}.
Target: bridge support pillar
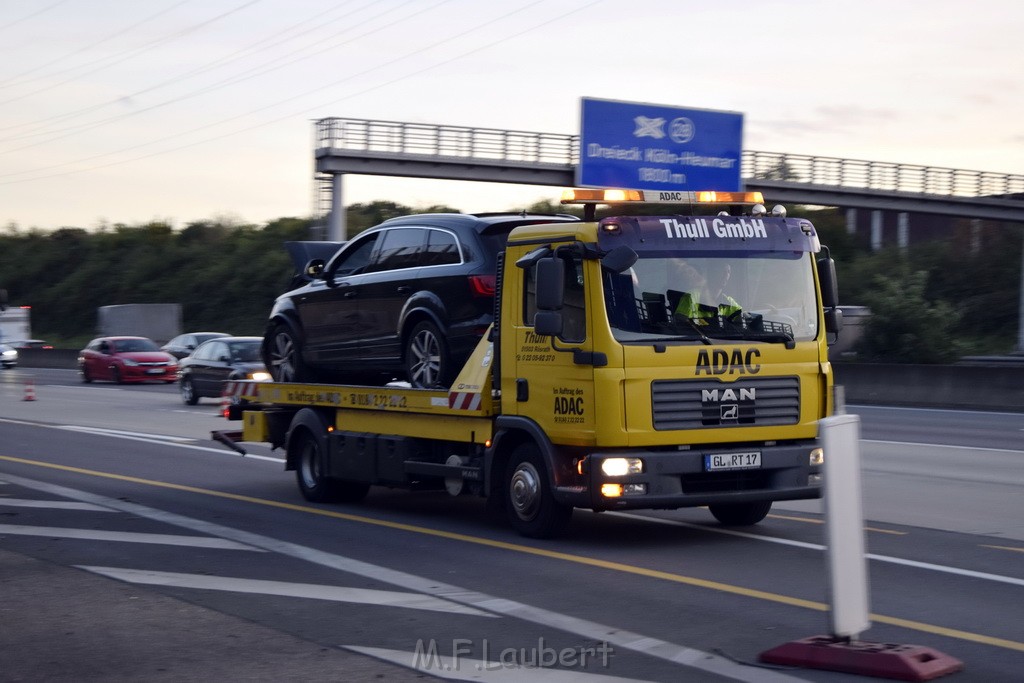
{"points": [[876, 230], [851, 221], [336, 229]]}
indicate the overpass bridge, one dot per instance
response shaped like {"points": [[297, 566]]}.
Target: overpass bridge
{"points": [[420, 150]]}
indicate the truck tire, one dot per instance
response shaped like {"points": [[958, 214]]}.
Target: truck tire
{"points": [[530, 505], [188, 392], [428, 364], [315, 486], [284, 356], [741, 514]]}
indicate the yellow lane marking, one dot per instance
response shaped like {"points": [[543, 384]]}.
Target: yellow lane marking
{"points": [[550, 554], [1004, 547], [809, 520]]}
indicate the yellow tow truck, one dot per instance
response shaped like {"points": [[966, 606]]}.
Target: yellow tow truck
{"points": [[634, 362]]}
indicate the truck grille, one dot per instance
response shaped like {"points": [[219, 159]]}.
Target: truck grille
{"points": [[750, 402]]}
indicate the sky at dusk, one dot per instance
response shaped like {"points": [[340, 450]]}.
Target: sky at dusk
{"points": [[120, 111]]}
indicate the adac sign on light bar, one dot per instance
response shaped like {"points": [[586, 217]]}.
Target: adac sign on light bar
{"points": [[658, 147], [616, 196]]}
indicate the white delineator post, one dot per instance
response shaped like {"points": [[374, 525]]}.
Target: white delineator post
{"points": [[844, 527]]}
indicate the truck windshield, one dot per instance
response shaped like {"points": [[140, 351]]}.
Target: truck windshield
{"points": [[711, 296]]}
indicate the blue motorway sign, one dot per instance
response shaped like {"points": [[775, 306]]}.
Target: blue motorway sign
{"points": [[656, 147]]}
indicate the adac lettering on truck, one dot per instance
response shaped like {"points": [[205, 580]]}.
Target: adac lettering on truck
{"points": [[728, 362], [707, 233], [570, 405]]}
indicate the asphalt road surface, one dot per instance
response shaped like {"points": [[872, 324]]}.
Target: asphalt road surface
{"points": [[134, 548]]}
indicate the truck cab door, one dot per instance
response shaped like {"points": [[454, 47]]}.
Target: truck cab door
{"points": [[554, 374]]}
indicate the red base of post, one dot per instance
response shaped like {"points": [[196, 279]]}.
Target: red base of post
{"points": [[881, 660]]}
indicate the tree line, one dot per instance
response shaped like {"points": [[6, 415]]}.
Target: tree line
{"points": [[931, 303]]}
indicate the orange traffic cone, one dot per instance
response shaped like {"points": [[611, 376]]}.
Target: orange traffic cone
{"points": [[30, 391]]}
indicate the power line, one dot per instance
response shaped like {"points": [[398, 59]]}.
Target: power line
{"points": [[268, 67], [8, 84], [490, 44], [51, 136], [134, 52], [32, 16]]}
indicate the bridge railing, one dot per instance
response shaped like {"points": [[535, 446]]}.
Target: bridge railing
{"points": [[878, 175], [522, 147], [392, 137]]}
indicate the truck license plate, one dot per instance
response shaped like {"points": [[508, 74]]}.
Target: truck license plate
{"points": [[732, 461]]}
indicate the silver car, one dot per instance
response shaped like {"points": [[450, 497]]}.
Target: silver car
{"points": [[8, 356]]}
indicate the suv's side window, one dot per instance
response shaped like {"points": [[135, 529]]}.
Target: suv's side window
{"points": [[442, 248], [355, 259], [399, 248], [209, 351], [218, 350]]}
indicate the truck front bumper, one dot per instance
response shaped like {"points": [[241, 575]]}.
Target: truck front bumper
{"points": [[668, 479]]}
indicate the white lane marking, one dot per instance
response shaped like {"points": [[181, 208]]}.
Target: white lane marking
{"points": [[601, 633], [123, 433], [366, 596], [51, 504], [888, 409], [462, 668], [815, 546], [943, 445], [162, 440], [125, 537]]}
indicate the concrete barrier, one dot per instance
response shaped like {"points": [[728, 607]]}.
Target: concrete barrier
{"points": [[991, 385], [995, 386], [48, 358]]}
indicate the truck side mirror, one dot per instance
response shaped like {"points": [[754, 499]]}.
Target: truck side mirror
{"points": [[830, 297], [550, 296], [829, 283], [550, 284], [620, 259], [548, 323], [833, 321]]}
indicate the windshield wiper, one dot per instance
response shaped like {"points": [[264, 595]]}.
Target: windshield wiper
{"points": [[696, 328]]}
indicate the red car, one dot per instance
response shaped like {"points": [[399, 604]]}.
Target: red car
{"points": [[126, 359]]}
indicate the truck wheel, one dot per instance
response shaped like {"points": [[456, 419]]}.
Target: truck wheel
{"points": [[314, 485], [427, 361], [188, 392], [284, 356], [530, 506], [741, 514]]}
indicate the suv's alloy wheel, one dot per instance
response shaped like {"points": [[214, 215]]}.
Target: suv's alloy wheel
{"points": [[427, 361]]}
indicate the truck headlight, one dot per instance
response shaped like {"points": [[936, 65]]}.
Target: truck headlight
{"points": [[619, 467], [817, 457]]}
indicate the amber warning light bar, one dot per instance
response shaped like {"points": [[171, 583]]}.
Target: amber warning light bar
{"points": [[586, 196]]}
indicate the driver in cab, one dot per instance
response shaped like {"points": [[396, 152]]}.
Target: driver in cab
{"points": [[703, 296]]}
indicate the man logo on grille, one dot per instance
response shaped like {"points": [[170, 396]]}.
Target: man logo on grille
{"points": [[730, 411]]}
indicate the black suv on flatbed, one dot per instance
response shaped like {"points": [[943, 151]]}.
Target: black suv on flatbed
{"points": [[410, 297]]}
